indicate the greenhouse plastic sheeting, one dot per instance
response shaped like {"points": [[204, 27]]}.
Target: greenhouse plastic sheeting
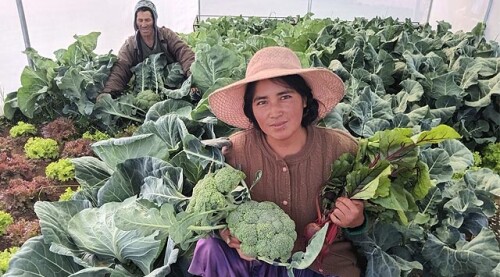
{"points": [[52, 23]]}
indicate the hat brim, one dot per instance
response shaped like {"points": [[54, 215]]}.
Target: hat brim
{"points": [[227, 103]]}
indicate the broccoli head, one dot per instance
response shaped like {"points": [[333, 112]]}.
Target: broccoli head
{"points": [[146, 98], [205, 196], [227, 178], [209, 194], [263, 229]]}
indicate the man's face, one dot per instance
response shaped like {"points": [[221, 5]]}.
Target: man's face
{"points": [[144, 21]]}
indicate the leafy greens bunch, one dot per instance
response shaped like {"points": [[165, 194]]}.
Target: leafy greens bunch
{"points": [[412, 196], [386, 170]]}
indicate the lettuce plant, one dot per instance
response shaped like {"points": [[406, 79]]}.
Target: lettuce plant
{"points": [[62, 170], [22, 230], [96, 136], [60, 129], [41, 148], [68, 194], [5, 220], [20, 195], [14, 165], [77, 148], [5, 257], [22, 128]]}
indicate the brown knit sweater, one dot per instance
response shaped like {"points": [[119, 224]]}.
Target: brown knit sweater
{"points": [[294, 181]]}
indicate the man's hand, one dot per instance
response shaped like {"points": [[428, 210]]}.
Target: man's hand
{"points": [[101, 95], [195, 94], [348, 213], [114, 94]]}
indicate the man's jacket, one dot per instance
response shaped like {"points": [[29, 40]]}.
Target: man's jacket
{"points": [[130, 55]]}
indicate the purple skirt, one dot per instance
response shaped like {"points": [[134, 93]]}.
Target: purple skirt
{"points": [[214, 258]]}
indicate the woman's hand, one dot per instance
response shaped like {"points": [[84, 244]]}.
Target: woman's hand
{"points": [[348, 213], [233, 242]]}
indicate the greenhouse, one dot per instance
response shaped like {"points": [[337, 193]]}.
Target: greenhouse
{"points": [[259, 138]]}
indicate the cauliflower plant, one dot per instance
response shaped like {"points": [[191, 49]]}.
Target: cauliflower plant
{"points": [[147, 98], [263, 229]]}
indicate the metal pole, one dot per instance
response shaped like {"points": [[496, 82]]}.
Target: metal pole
{"points": [[199, 9], [24, 28], [309, 6], [487, 14], [429, 12]]}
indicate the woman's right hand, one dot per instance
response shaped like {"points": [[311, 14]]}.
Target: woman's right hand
{"points": [[233, 242]]}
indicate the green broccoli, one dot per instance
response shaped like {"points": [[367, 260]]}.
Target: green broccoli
{"points": [[227, 178], [209, 194], [146, 98], [263, 229], [205, 196]]}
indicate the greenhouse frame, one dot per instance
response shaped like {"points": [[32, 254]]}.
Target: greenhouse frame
{"points": [[318, 137]]}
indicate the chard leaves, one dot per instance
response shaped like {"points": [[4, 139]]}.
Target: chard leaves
{"points": [[392, 171]]}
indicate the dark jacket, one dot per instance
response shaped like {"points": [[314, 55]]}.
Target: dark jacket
{"points": [[130, 55]]}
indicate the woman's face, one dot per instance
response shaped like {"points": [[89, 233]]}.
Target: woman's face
{"points": [[278, 110]]}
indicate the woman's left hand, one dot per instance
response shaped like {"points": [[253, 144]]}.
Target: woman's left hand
{"points": [[348, 213], [233, 242]]}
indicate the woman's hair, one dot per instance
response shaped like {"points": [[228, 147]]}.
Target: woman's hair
{"points": [[295, 82]]}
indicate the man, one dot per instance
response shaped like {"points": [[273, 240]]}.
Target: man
{"points": [[148, 40]]}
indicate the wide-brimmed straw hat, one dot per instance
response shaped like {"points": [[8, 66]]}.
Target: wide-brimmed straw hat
{"points": [[227, 103]]}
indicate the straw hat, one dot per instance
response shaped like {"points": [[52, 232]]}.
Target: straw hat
{"points": [[227, 102]]}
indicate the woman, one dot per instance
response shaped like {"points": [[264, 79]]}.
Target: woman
{"points": [[277, 105]]}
